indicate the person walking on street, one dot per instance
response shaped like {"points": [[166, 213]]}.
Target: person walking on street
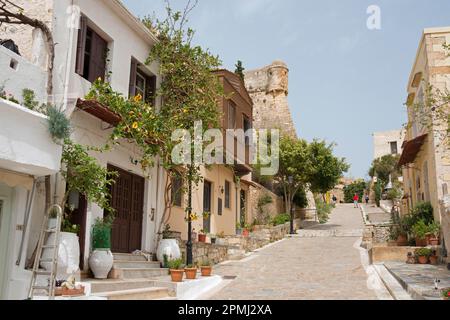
{"points": [[356, 200], [367, 199]]}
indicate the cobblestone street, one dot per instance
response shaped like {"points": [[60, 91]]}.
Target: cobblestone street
{"points": [[323, 262]]}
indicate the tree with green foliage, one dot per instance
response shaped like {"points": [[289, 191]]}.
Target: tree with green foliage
{"points": [[240, 69], [294, 162], [358, 187], [384, 167], [326, 168]]}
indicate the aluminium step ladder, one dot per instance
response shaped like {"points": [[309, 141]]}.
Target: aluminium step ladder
{"points": [[45, 231]]}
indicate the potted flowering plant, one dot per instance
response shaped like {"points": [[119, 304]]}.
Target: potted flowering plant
{"points": [[176, 270], [423, 254], [202, 235], [446, 293], [206, 268], [434, 229]]}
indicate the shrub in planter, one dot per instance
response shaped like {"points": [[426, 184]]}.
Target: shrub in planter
{"points": [[434, 230], [420, 231], [423, 254], [206, 268], [191, 272], [176, 270]]}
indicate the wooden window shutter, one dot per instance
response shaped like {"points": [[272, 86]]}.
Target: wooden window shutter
{"points": [[133, 72], [81, 45], [151, 90]]}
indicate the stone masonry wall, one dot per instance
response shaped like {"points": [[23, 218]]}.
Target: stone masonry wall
{"points": [[268, 88], [269, 210], [235, 247]]}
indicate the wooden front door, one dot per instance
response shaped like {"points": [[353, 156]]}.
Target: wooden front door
{"points": [[127, 198], [207, 194]]}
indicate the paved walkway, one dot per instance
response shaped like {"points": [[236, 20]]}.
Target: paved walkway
{"points": [[325, 266]]}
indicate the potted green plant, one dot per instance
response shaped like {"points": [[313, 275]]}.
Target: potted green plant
{"points": [[420, 230], [434, 258], [101, 259], [445, 293], [422, 255], [220, 238], [238, 229], [191, 271], [176, 269], [202, 235], [434, 230], [206, 268]]}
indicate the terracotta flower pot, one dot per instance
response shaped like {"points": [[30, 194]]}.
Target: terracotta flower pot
{"points": [[434, 260], [176, 275], [191, 273], [402, 240], [206, 271], [245, 233], [202, 238], [433, 241], [421, 242], [423, 259]]}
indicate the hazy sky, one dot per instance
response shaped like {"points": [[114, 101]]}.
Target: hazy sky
{"points": [[346, 81]]}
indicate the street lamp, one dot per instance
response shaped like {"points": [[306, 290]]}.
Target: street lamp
{"points": [[291, 181]]}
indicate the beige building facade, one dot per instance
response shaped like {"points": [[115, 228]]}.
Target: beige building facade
{"points": [[388, 142], [426, 159]]}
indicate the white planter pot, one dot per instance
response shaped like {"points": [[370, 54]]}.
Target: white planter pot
{"points": [[52, 223], [101, 263], [170, 248], [68, 255]]}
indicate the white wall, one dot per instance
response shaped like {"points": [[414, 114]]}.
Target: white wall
{"points": [[25, 75], [25, 143]]}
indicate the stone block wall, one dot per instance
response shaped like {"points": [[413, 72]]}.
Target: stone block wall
{"points": [[269, 210], [234, 247], [23, 35], [268, 88]]}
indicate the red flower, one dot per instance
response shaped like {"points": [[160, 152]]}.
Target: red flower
{"points": [[448, 294]]}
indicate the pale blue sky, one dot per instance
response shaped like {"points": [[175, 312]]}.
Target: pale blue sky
{"points": [[346, 81]]}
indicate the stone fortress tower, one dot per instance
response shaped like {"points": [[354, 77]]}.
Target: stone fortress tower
{"points": [[269, 88]]}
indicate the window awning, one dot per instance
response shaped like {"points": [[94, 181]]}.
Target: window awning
{"points": [[410, 150], [99, 111]]}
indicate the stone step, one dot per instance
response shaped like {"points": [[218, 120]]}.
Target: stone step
{"points": [[119, 285], [139, 273], [392, 285], [136, 264], [129, 257], [136, 294]]}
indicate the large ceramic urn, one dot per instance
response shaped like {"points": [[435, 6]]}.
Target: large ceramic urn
{"points": [[170, 248]]}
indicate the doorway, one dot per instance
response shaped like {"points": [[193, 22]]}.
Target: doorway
{"points": [[207, 200], [127, 198], [5, 219]]}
